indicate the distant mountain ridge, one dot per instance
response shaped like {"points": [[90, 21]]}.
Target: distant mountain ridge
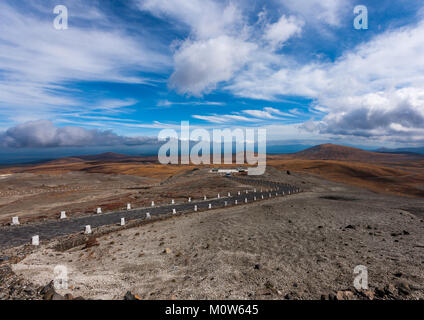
{"points": [[105, 157], [319, 152], [419, 150], [344, 153]]}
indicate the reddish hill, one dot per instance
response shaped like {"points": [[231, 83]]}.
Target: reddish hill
{"points": [[343, 153], [401, 174]]}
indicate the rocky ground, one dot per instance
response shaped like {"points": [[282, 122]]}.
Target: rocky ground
{"points": [[305, 246], [41, 197]]}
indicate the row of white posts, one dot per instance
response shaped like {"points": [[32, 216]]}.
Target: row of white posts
{"points": [[229, 195], [36, 238], [15, 220]]}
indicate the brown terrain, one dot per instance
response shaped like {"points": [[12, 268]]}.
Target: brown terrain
{"points": [[81, 184], [400, 174], [355, 208]]}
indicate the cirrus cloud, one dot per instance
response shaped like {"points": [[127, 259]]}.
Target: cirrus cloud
{"points": [[39, 65]]}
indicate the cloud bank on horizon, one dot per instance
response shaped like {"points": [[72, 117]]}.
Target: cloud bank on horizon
{"points": [[298, 68], [44, 134]]}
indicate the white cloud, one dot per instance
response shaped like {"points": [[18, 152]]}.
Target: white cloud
{"points": [[285, 28], [260, 114], [248, 116], [216, 47], [220, 43], [167, 103], [224, 118], [329, 12], [268, 113], [200, 65], [205, 18], [373, 90]]}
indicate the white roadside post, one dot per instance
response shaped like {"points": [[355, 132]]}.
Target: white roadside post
{"points": [[262, 196], [204, 198], [210, 206], [153, 203], [238, 193], [172, 201], [128, 206], [236, 202], [87, 229], [63, 215], [254, 190], [35, 240], [229, 194], [254, 198], [195, 208], [15, 221], [225, 203], [148, 217], [189, 199], [245, 200], [219, 196], [99, 210], [174, 211], [122, 221]]}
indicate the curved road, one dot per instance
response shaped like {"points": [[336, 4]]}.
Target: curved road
{"points": [[13, 236]]}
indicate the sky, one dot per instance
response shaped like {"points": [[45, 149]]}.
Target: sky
{"points": [[124, 70]]}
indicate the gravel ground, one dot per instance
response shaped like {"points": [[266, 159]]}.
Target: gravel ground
{"points": [[305, 246]]}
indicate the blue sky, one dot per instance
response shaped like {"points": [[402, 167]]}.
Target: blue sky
{"points": [[123, 70]]}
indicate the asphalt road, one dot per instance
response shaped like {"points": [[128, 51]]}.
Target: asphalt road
{"points": [[13, 236]]}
